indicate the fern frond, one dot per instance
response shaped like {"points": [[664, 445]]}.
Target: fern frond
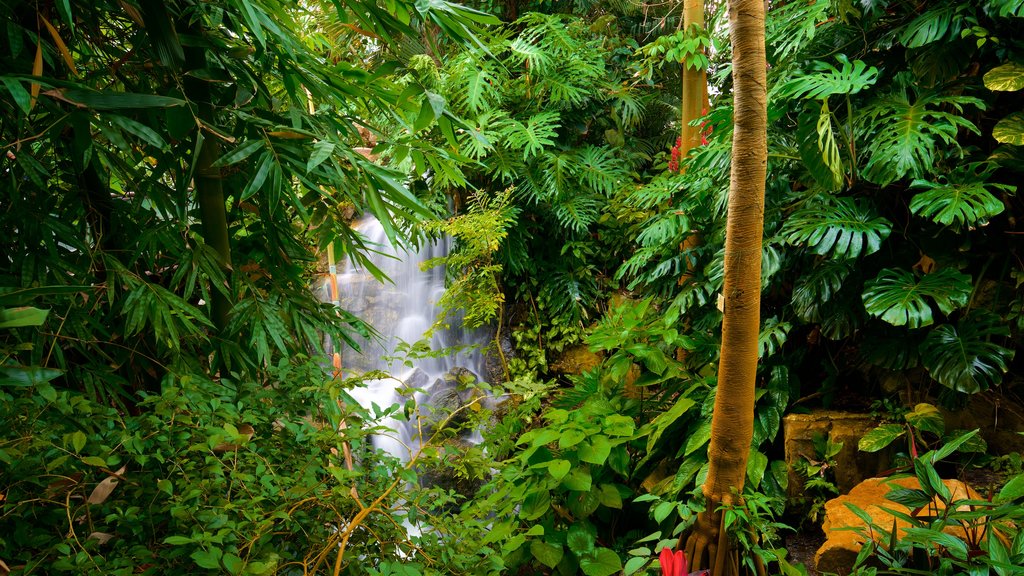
{"points": [[599, 169]]}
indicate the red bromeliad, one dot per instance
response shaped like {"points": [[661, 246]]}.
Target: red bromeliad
{"points": [[673, 563]]}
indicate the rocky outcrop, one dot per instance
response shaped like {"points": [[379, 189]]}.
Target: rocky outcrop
{"points": [[852, 465], [839, 552], [575, 360]]}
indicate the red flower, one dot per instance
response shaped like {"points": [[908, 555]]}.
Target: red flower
{"points": [[673, 563]]}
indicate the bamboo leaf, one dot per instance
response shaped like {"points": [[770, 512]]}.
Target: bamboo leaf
{"points": [[61, 47], [118, 100]]}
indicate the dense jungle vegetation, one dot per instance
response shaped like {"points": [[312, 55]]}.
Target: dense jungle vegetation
{"points": [[174, 172]]}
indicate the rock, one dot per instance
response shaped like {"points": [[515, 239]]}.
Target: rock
{"points": [[575, 360], [852, 465], [839, 552], [997, 415], [417, 379]]}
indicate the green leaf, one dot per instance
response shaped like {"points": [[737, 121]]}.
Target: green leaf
{"points": [[618, 425], [22, 376], [94, 461], [902, 299], [604, 562], [633, 565], [964, 357], [19, 94], [608, 495], [578, 479], [666, 419], [570, 438], [78, 440], [143, 132], [545, 553], [880, 437], [825, 80], [558, 468], [120, 100], [240, 153], [1010, 130], [260, 177], [841, 228], [321, 151], [814, 290], [902, 136], [535, 505], [927, 418], [595, 450], [757, 464], [910, 497], [178, 540], [1006, 78], [579, 539], [931, 26], [208, 558], [1012, 490], [964, 199], [22, 316]]}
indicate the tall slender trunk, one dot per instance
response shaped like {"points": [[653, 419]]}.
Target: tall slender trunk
{"points": [[208, 184], [732, 424], [695, 84]]}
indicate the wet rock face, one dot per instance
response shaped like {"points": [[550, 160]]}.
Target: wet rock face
{"points": [[455, 389], [852, 465], [839, 552]]}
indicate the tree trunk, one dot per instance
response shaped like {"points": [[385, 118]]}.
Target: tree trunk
{"points": [[732, 424], [695, 84]]}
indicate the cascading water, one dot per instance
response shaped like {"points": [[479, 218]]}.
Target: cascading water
{"points": [[403, 311]]}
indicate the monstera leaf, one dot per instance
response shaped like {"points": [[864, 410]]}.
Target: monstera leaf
{"points": [[964, 199], [825, 80], [902, 299], [814, 289], [905, 136], [964, 357], [844, 229]]}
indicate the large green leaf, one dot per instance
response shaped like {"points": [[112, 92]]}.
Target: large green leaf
{"points": [[903, 299], [963, 199], [22, 316], [604, 562], [844, 228], [1008, 77], [1007, 7], [880, 437], [815, 288], [120, 100], [965, 357], [826, 80], [1010, 130], [931, 26], [901, 135]]}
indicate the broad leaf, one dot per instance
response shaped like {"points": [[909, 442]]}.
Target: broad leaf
{"points": [[903, 299], [1010, 130], [814, 289], [880, 437], [22, 316], [826, 80], [842, 229], [931, 26], [1007, 7], [1008, 77], [604, 562], [964, 199], [901, 135], [547, 554], [964, 357]]}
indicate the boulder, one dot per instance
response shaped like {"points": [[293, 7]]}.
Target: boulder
{"points": [[575, 360], [852, 465], [839, 552]]}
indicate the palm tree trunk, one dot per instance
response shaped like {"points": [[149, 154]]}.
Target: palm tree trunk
{"points": [[732, 424]]}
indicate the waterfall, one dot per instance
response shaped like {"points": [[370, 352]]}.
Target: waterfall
{"points": [[402, 311]]}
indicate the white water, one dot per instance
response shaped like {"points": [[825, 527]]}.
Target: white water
{"points": [[403, 312]]}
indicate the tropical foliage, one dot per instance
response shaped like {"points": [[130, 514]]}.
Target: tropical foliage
{"points": [[172, 170]]}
